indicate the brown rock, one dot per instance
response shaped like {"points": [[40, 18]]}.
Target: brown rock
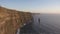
{"points": [[11, 20]]}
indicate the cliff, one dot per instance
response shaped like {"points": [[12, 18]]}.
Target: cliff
{"points": [[11, 20]]}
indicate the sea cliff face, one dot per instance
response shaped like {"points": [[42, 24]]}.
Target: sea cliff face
{"points": [[11, 20]]}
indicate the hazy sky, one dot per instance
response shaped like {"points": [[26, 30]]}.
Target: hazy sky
{"points": [[42, 6]]}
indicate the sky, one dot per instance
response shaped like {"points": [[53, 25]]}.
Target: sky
{"points": [[39, 6]]}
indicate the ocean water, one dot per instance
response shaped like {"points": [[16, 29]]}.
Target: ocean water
{"points": [[50, 23]]}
